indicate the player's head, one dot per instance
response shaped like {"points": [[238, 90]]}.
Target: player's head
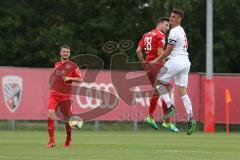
{"points": [[176, 17], [65, 51], [163, 24]]}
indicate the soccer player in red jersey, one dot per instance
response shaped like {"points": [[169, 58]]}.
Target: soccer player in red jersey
{"points": [[153, 45], [61, 79]]}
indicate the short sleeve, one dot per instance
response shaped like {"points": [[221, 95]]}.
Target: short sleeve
{"points": [[76, 73], [161, 42], [172, 38]]}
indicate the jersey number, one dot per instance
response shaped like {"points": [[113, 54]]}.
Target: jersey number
{"points": [[148, 43], [185, 42]]}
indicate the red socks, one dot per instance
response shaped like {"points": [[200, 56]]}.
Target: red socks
{"points": [[164, 106], [153, 104], [51, 129], [68, 131]]}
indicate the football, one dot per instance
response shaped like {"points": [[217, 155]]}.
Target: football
{"points": [[76, 122]]}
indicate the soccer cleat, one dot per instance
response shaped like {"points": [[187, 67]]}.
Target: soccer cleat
{"points": [[191, 126], [150, 121], [51, 144], [170, 126], [170, 111], [67, 143]]}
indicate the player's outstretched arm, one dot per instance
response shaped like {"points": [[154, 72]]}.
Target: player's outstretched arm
{"points": [[167, 52], [159, 52]]}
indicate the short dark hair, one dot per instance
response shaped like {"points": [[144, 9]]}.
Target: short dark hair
{"points": [[178, 11], [162, 19], [65, 46]]}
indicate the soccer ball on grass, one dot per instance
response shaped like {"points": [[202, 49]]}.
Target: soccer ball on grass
{"points": [[75, 122]]}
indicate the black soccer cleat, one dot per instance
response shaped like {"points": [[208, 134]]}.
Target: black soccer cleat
{"points": [[170, 111]]}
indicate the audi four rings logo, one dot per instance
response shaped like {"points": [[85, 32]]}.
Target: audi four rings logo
{"points": [[111, 46], [100, 98]]}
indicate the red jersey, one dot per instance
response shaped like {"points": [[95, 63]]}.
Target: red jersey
{"points": [[151, 42], [63, 69]]}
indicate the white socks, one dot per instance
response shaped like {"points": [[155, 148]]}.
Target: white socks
{"points": [[188, 106], [164, 94]]}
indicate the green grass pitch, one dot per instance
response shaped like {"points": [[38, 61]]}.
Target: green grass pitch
{"points": [[123, 145]]}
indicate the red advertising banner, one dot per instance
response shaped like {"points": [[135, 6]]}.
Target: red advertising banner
{"points": [[223, 99], [24, 96]]}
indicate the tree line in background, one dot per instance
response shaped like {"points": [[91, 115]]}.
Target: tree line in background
{"points": [[31, 31]]}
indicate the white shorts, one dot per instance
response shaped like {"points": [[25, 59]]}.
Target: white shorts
{"points": [[178, 69]]}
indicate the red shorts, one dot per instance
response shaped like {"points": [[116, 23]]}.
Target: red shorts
{"points": [[54, 101], [62, 106], [153, 72]]}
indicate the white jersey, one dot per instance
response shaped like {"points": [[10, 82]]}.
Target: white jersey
{"points": [[178, 65], [177, 37]]}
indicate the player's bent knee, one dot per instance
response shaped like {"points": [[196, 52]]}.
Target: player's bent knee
{"points": [[160, 82], [157, 82], [169, 87], [51, 114], [155, 93]]}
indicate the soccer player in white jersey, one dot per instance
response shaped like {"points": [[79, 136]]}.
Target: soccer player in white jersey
{"points": [[177, 67]]}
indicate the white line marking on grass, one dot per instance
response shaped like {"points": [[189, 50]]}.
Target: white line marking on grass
{"points": [[23, 157], [192, 151]]}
